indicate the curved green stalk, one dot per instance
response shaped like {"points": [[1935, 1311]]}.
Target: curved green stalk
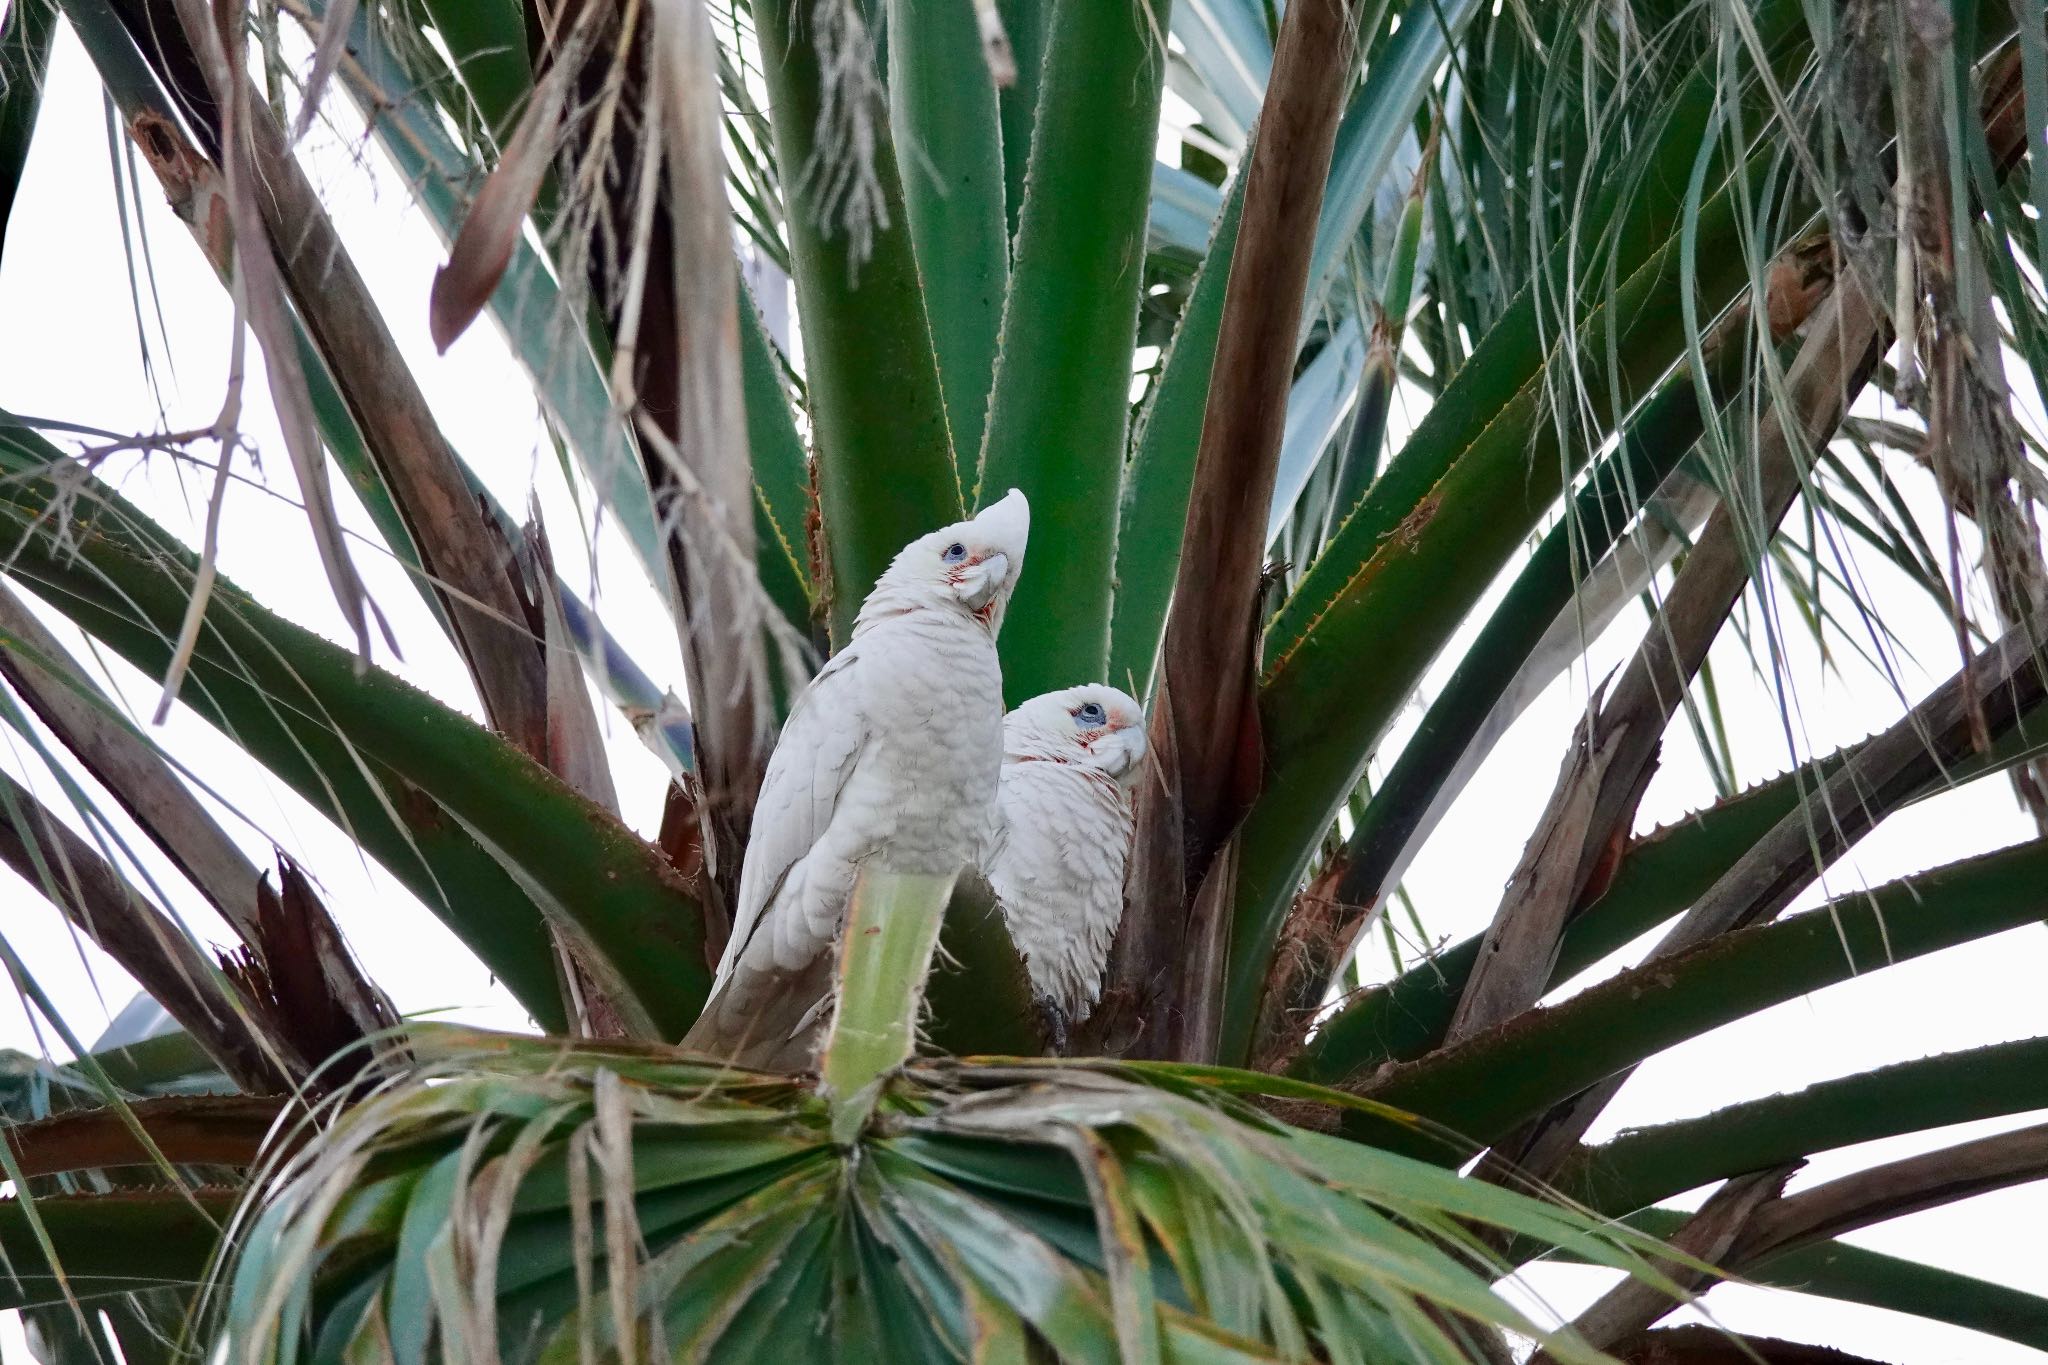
{"points": [[885, 953], [942, 106], [1059, 413], [1154, 512], [1404, 808], [1026, 23], [1852, 1274], [26, 34], [884, 453], [119, 1243], [489, 44], [1644, 1165], [1496, 1080], [1837, 1270], [979, 994], [1324, 713]]}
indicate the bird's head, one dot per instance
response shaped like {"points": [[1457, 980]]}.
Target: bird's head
{"points": [[971, 564], [1092, 726]]}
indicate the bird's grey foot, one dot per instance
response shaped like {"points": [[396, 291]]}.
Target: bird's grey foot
{"points": [[1052, 1025]]}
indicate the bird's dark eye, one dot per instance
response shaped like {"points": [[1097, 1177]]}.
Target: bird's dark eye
{"points": [[954, 553], [1091, 714]]}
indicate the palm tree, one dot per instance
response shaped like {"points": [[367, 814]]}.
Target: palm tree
{"points": [[1446, 333]]}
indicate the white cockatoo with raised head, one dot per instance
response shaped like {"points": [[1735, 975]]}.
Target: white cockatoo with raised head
{"points": [[889, 757], [1059, 838]]}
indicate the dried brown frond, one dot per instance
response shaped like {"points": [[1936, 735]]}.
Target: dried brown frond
{"points": [[1973, 447], [1320, 932], [298, 973]]}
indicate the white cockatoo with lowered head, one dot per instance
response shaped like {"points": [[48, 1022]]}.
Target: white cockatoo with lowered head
{"points": [[1060, 836], [890, 757]]}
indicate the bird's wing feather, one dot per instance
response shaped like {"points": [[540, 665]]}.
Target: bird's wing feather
{"points": [[819, 749]]}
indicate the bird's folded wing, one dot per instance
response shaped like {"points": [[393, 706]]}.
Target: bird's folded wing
{"points": [[816, 756]]}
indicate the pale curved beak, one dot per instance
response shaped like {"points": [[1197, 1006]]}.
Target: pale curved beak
{"points": [[1007, 521], [989, 578], [1122, 752]]}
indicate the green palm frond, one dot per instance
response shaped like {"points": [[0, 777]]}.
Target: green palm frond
{"points": [[1110, 1217]]}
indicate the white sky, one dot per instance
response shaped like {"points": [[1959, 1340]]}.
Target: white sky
{"points": [[70, 352]]}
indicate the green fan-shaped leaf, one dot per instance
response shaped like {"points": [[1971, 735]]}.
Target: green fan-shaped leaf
{"points": [[928, 1233]]}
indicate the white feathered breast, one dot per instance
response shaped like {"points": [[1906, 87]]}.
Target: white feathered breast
{"points": [[1055, 858]]}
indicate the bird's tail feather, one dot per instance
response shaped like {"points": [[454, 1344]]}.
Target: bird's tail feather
{"points": [[771, 1025]]}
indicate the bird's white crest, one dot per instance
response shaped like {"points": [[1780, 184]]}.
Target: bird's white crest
{"points": [[889, 758], [1060, 835]]}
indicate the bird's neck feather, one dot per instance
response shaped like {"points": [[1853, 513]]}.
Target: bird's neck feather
{"points": [[892, 600]]}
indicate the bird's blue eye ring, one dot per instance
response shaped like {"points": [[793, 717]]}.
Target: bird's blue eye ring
{"points": [[1091, 713], [954, 553]]}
